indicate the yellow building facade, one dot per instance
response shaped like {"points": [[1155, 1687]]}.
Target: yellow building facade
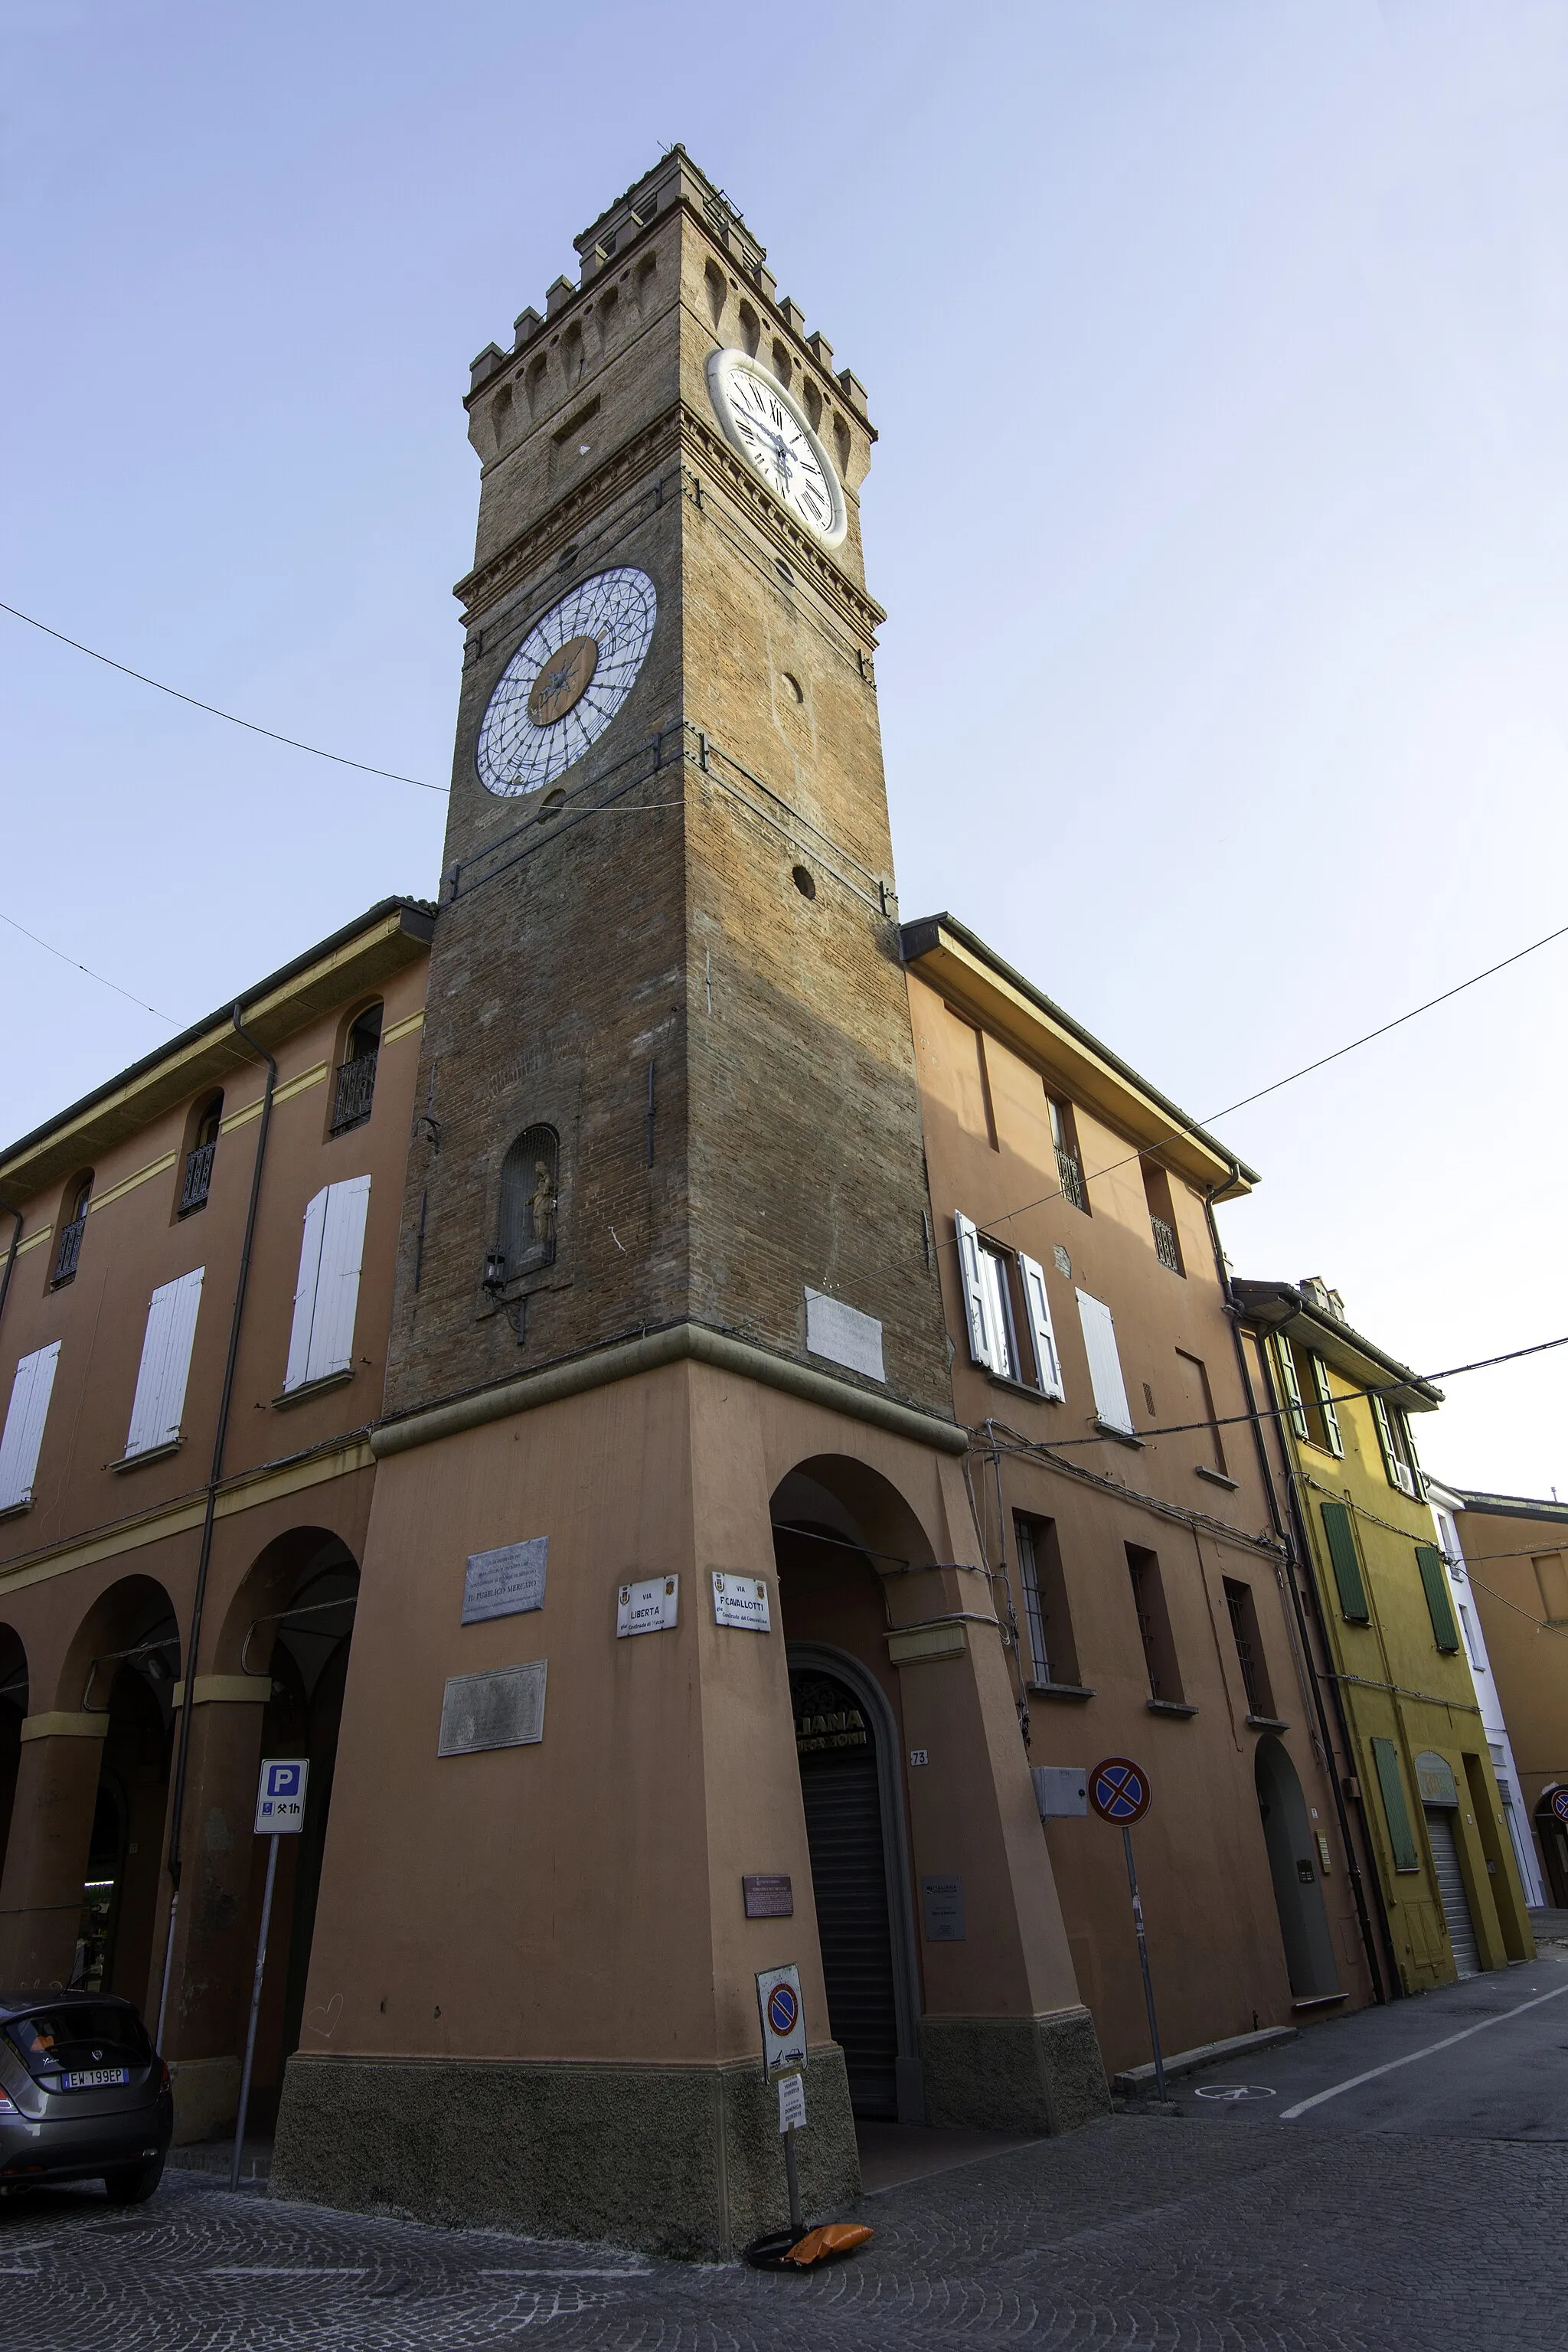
{"points": [[1419, 1773]]}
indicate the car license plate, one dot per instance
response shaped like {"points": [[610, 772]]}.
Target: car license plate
{"points": [[94, 2078]]}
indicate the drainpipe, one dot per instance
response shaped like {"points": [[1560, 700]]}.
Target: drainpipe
{"points": [[1295, 1549], [15, 1214], [225, 1395]]}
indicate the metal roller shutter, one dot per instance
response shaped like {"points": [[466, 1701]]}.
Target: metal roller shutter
{"points": [[843, 1830], [1451, 1886]]}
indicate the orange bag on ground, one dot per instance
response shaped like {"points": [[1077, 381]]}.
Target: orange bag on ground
{"points": [[823, 2245]]}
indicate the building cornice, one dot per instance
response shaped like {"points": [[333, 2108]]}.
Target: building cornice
{"points": [[361, 956], [960, 966], [1281, 1307]]}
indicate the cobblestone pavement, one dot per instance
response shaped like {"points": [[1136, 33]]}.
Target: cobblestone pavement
{"points": [[1142, 2231]]}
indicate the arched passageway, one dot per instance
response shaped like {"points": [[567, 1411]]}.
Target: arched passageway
{"points": [[838, 1526], [13, 1710], [1293, 1867], [294, 1620]]}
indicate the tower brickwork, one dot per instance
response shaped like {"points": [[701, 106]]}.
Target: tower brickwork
{"points": [[681, 955]]}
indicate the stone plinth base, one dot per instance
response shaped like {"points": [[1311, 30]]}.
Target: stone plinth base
{"points": [[206, 2097], [1012, 2073], [675, 2160]]}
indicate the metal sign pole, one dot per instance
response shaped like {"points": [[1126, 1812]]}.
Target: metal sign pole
{"points": [[1143, 1964], [255, 2009], [796, 2215]]}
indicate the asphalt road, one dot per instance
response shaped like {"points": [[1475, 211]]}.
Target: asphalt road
{"points": [[1419, 2213], [1486, 2059]]}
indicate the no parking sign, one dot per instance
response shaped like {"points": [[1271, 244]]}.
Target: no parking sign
{"points": [[784, 2018]]}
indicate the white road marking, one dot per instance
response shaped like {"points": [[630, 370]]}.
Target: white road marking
{"points": [[1431, 2049], [288, 2270], [556, 2275]]}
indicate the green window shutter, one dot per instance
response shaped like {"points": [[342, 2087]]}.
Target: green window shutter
{"points": [[1386, 1757], [1326, 1406], [1439, 1608], [1289, 1388], [1385, 1437], [1347, 1567], [1416, 1480]]}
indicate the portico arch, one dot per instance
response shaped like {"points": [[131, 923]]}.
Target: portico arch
{"points": [[838, 1526], [1552, 1835]]}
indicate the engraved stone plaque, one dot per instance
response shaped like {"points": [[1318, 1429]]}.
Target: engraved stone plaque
{"points": [[843, 1335], [505, 1583], [502, 1709], [941, 1900]]}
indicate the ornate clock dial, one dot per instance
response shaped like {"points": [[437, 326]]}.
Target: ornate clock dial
{"points": [[761, 421], [566, 682]]}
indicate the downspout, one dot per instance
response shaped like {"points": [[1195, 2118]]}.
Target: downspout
{"points": [[1295, 1547], [15, 1214], [225, 1395]]}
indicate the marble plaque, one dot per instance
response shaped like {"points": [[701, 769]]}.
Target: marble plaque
{"points": [[502, 1709], [505, 1583], [843, 1335]]}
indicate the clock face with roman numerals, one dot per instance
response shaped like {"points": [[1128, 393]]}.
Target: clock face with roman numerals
{"points": [[763, 422]]}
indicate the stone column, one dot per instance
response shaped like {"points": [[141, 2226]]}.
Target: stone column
{"points": [[45, 1858], [204, 2026]]}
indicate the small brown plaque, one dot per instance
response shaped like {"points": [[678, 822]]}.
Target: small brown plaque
{"points": [[768, 1898], [565, 678]]}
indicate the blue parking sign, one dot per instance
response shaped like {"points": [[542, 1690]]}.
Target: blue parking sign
{"points": [[280, 1796]]}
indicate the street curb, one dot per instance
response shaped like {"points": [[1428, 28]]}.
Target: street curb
{"points": [[1208, 2053]]}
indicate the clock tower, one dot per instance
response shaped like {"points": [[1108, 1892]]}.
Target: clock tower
{"points": [[669, 1421]]}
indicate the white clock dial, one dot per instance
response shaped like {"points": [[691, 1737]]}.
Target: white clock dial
{"points": [[763, 422], [566, 682]]}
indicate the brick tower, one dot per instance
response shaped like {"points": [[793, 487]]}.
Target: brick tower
{"points": [[666, 1282]]}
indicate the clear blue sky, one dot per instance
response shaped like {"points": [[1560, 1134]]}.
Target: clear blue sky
{"points": [[1217, 350]]}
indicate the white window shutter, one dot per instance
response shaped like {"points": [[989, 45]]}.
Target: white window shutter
{"points": [[1289, 1387], [165, 1363], [305, 1294], [25, 1419], [1048, 1364], [1326, 1406], [337, 1284], [974, 1290], [1104, 1364]]}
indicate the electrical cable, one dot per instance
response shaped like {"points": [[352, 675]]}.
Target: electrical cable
{"points": [[1344, 1396], [114, 984], [195, 702], [1175, 1134]]}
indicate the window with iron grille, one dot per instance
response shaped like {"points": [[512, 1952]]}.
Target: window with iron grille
{"points": [[197, 1182], [1163, 1216], [1050, 1651], [1070, 1159], [1243, 1613], [356, 1073], [67, 1250]]}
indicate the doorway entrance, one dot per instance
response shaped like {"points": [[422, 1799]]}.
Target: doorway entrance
{"points": [[1293, 1860], [1451, 1887], [836, 1742], [1553, 1833]]}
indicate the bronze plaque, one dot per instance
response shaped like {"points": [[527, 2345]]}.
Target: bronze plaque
{"points": [[768, 1898]]}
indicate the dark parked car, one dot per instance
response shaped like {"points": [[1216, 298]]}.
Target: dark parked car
{"points": [[83, 2095]]}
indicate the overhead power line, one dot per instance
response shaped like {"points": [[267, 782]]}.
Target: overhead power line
{"points": [[1175, 1134], [315, 750], [114, 984], [1344, 1396]]}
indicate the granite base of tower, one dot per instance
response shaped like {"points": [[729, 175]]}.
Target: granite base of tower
{"points": [[683, 2161]]}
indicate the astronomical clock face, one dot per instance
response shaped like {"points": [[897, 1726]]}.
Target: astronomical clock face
{"points": [[566, 682], [761, 421]]}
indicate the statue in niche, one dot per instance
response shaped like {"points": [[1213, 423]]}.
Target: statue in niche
{"points": [[527, 1208], [542, 1203]]}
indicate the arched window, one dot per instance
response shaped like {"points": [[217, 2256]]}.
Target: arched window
{"points": [[526, 1218], [73, 1224], [356, 1071], [197, 1182]]}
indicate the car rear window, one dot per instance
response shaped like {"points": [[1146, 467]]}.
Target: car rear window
{"points": [[109, 2035]]}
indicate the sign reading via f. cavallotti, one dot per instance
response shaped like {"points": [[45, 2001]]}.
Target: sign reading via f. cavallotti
{"points": [[280, 1796], [784, 2018]]}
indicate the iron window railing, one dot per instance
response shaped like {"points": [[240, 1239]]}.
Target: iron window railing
{"points": [[356, 1087], [198, 1177], [1236, 1605], [1165, 1248], [1069, 1170], [69, 1249]]}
